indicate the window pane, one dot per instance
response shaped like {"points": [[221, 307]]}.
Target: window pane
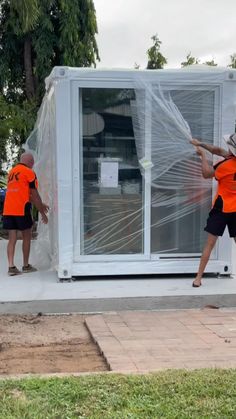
{"points": [[112, 217], [179, 212]]}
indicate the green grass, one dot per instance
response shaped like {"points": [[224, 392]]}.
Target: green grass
{"points": [[171, 394]]}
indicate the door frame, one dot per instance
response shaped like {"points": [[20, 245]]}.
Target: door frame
{"points": [[217, 89], [77, 153]]}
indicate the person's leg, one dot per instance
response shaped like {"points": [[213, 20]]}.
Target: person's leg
{"points": [[12, 239], [210, 243], [26, 242]]}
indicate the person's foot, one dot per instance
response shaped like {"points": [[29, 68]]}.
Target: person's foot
{"points": [[197, 283], [29, 268], [12, 271]]}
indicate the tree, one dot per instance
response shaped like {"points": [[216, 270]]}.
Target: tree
{"points": [[233, 61], [190, 60], [155, 58], [27, 11], [16, 123], [211, 63], [50, 32], [35, 36], [3, 182]]}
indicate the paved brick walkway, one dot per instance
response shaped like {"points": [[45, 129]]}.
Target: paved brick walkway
{"points": [[151, 341]]}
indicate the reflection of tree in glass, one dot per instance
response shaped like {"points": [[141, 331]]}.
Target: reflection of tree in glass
{"points": [[99, 99]]}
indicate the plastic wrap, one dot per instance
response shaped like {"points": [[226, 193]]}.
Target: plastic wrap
{"points": [[140, 184], [42, 144], [180, 197]]}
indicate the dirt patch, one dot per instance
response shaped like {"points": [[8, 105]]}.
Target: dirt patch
{"points": [[47, 344]]}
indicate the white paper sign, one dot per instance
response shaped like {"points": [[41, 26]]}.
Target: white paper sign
{"points": [[109, 174]]}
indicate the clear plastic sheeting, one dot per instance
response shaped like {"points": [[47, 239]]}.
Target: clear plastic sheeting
{"points": [[168, 134], [42, 144], [139, 188], [154, 150], [180, 197]]}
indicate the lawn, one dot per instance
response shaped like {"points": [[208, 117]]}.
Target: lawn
{"points": [[170, 394]]}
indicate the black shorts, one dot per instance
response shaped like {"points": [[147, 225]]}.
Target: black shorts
{"points": [[218, 220], [16, 222]]}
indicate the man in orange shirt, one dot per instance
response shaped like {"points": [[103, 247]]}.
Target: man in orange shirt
{"points": [[223, 212], [21, 192]]}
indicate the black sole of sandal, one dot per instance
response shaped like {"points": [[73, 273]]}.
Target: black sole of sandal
{"points": [[195, 285]]}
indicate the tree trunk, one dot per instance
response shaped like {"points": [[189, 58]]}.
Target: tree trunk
{"points": [[29, 78]]}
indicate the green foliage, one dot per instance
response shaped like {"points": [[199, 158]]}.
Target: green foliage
{"points": [[3, 181], [16, 123], [211, 63], [190, 60], [155, 58], [233, 61], [26, 13], [61, 32], [35, 36], [77, 30], [175, 394]]}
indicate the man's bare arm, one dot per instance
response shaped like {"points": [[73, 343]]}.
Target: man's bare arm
{"points": [[207, 170], [37, 201], [218, 151]]}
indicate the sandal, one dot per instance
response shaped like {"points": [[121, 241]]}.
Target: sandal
{"points": [[12, 271], [196, 285], [29, 268]]}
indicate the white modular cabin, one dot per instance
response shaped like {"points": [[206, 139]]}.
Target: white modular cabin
{"points": [[122, 181]]}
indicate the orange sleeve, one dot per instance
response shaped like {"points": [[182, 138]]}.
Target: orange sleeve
{"points": [[30, 175]]}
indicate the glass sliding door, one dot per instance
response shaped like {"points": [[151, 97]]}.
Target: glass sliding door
{"points": [[122, 212], [112, 194], [179, 202]]}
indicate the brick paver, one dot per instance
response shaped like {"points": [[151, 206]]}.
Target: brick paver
{"points": [[151, 341]]}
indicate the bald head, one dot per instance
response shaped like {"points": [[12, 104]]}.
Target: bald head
{"points": [[27, 159]]}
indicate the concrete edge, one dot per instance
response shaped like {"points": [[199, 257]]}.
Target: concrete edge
{"points": [[95, 341], [101, 305]]}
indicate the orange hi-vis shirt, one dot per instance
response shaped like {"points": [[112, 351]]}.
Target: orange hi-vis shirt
{"points": [[20, 179], [225, 174]]}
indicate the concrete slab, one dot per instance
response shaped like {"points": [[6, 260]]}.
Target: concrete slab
{"points": [[141, 342], [41, 291]]}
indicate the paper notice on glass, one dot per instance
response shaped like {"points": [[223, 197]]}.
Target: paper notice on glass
{"points": [[109, 174]]}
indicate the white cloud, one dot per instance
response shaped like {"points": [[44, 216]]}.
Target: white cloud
{"points": [[204, 27]]}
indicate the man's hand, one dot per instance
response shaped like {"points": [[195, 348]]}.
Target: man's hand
{"points": [[44, 218], [41, 207], [45, 208], [200, 151], [195, 142], [218, 151], [43, 212]]}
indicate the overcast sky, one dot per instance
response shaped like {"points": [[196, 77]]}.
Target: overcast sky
{"points": [[207, 28]]}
